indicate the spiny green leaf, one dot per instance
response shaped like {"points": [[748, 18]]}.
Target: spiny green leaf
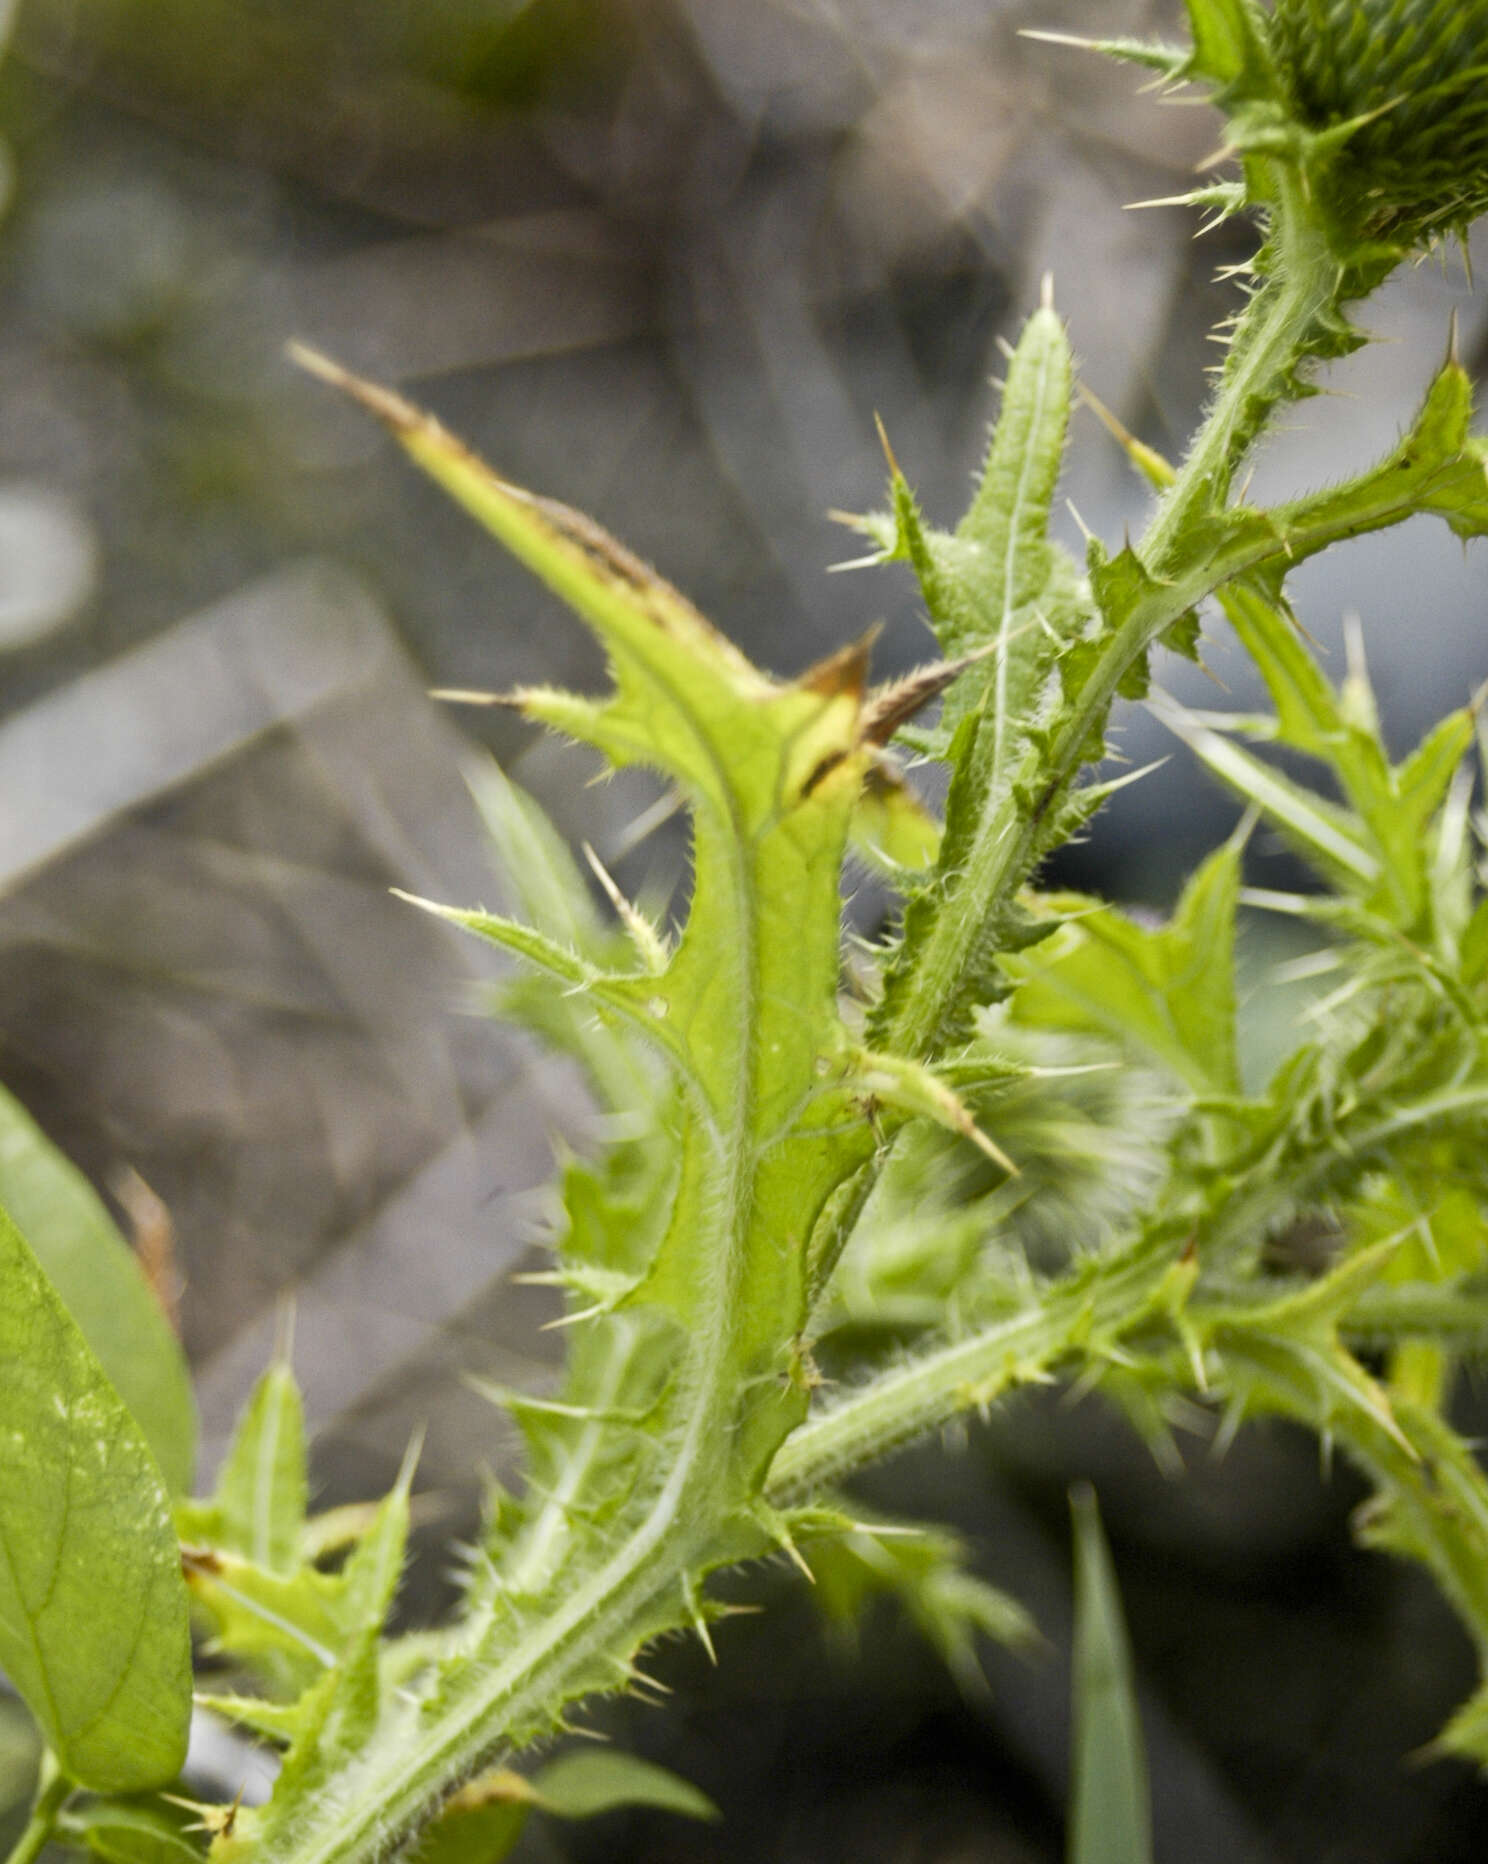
{"points": [[1000, 584], [293, 1623], [1307, 712], [1170, 60], [926, 1569], [1432, 1497], [1326, 1382], [557, 905], [914, 1088], [536, 863], [1169, 993], [772, 772], [643, 1009], [259, 1505], [1383, 852], [338, 1713], [1002, 587], [701, 1339], [102, 1286], [1342, 731], [1326, 834], [1438, 466], [1109, 1818], [287, 1626], [93, 1621]]}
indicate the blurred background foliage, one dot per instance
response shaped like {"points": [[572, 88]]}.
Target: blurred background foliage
{"points": [[665, 259]]}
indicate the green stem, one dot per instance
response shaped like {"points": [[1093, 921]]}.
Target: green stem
{"points": [[1271, 340], [52, 1788], [967, 1374], [1120, 1293]]}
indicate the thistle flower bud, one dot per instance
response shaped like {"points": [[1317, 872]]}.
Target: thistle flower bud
{"points": [[1416, 72]]}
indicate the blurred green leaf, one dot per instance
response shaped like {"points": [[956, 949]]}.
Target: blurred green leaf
{"points": [[481, 1823], [102, 1286], [926, 1569], [580, 1786], [1109, 1818], [484, 1820], [1170, 992], [1341, 729]]}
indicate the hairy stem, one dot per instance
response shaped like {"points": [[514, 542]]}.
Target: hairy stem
{"points": [[1272, 337], [934, 1387]]}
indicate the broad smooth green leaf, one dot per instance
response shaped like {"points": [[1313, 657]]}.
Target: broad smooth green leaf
{"points": [[93, 1616], [101, 1284], [1109, 1818]]}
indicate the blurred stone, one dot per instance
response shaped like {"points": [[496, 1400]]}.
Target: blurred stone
{"points": [[205, 974], [112, 260], [48, 563], [534, 285]]}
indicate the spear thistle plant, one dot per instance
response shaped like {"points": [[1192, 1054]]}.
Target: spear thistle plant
{"points": [[1021, 1149]]}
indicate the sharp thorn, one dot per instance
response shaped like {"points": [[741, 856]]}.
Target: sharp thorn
{"points": [[883, 441]]}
